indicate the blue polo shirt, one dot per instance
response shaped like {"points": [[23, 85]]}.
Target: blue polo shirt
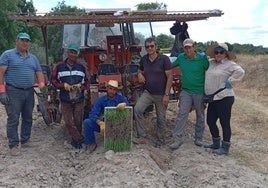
{"points": [[21, 70]]}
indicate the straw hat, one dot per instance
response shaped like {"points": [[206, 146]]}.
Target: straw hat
{"points": [[114, 84], [210, 51]]}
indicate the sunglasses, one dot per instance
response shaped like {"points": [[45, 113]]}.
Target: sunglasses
{"points": [[150, 46], [219, 52]]}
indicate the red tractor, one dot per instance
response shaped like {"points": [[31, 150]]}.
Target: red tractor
{"points": [[109, 47]]}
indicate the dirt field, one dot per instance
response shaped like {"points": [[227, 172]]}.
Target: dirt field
{"points": [[52, 162]]}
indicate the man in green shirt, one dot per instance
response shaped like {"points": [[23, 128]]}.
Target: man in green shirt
{"points": [[193, 66]]}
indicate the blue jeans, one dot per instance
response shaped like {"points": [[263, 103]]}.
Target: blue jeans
{"points": [[186, 102], [21, 103], [89, 128], [143, 102]]}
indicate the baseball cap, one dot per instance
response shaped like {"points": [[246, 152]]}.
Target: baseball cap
{"points": [[73, 47], [188, 42], [23, 36]]}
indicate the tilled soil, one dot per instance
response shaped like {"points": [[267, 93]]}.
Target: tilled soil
{"points": [[52, 162]]}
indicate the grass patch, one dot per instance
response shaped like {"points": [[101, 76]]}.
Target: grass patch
{"points": [[118, 129], [117, 145]]}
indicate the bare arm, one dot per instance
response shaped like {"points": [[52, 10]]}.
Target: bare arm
{"points": [[2, 73], [169, 80], [141, 76], [168, 86], [40, 78]]}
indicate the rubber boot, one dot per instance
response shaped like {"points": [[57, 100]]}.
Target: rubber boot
{"points": [[224, 149], [215, 145]]}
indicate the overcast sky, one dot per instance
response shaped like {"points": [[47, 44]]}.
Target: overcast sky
{"points": [[243, 22]]}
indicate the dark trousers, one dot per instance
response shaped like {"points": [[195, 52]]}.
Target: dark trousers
{"points": [[220, 109], [73, 118], [21, 104]]}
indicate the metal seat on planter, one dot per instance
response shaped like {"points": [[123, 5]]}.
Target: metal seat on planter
{"points": [[106, 69], [131, 69], [106, 72]]}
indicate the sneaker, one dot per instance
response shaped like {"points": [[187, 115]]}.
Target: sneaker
{"points": [[90, 148], [139, 140], [15, 151], [159, 143], [175, 145], [76, 145], [198, 142]]}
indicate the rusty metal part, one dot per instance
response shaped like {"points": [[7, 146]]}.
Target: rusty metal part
{"points": [[131, 17], [49, 106]]}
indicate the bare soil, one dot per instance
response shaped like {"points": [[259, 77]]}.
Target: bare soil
{"points": [[51, 161]]}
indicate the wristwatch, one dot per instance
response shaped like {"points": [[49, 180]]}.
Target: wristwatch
{"points": [[166, 94]]}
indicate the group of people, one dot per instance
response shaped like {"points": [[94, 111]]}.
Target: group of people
{"points": [[207, 73], [19, 72], [201, 73]]}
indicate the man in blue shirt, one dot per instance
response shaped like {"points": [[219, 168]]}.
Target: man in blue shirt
{"points": [[94, 123], [18, 68]]}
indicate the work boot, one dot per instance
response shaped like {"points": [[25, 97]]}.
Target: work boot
{"points": [[224, 149], [90, 148], [198, 142], [158, 143], [215, 145], [139, 140], [28, 144], [76, 145], [175, 145], [15, 150]]}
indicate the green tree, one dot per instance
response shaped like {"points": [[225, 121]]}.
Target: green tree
{"points": [[55, 32], [164, 41], [27, 8], [8, 27], [151, 6]]}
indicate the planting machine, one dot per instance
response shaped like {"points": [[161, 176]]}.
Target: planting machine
{"points": [[110, 47]]}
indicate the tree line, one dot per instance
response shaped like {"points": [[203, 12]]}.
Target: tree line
{"points": [[10, 28], [165, 43]]}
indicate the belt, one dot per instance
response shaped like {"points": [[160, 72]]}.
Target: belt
{"points": [[21, 88]]}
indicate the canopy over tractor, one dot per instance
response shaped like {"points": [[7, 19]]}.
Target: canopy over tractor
{"points": [[106, 17]]}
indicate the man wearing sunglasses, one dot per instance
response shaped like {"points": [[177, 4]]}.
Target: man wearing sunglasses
{"points": [[155, 73], [193, 66]]}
